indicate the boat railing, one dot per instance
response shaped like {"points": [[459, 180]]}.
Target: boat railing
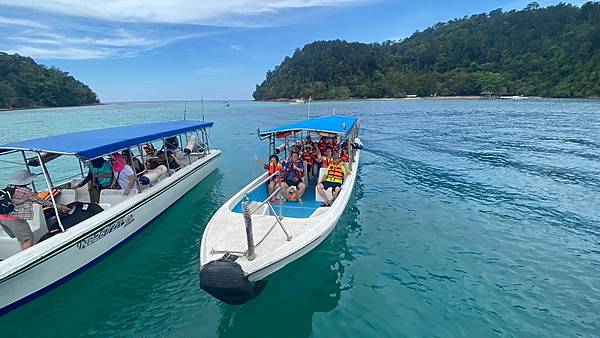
{"points": [[250, 254], [247, 213], [261, 183]]}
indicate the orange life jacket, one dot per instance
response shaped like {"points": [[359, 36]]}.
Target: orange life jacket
{"points": [[46, 195], [273, 168], [335, 173], [345, 157], [326, 161]]}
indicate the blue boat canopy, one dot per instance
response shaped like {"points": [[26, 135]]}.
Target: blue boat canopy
{"points": [[328, 124], [94, 143]]}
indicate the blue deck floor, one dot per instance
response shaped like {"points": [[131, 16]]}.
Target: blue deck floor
{"points": [[290, 209]]}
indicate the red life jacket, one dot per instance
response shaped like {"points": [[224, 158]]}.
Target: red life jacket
{"points": [[273, 168], [308, 158], [345, 157]]}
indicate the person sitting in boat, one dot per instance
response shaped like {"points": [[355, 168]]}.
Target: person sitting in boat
{"points": [[124, 176], [133, 161], [274, 166], [100, 176], [171, 143], [293, 175], [15, 222], [326, 159], [334, 178], [169, 156], [149, 149], [345, 157], [308, 141]]}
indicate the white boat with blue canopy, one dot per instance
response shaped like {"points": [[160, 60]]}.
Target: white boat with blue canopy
{"points": [[67, 243], [258, 232]]}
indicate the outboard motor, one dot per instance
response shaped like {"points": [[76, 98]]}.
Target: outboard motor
{"points": [[225, 280]]}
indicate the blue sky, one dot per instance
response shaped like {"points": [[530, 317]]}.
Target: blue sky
{"points": [[134, 50]]}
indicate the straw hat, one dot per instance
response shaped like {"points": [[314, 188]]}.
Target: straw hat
{"points": [[21, 177]]}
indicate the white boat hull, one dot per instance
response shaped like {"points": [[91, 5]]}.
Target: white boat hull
{"points": [[58, 259], [225, 232]]}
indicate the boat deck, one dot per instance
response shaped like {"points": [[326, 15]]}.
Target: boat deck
{"points": [[302, 209]]}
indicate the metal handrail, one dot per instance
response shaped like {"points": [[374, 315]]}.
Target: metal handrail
{"points": [[261, 182], [266, 201]]}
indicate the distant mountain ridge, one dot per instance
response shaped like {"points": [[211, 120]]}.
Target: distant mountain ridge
{"points": [[26, 84], [549, 52]]}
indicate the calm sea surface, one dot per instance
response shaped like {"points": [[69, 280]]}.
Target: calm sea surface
{"points": [[469, 218]]}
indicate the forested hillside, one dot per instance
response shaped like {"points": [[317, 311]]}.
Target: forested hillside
{"points": [[25, 84], [550, 52]]}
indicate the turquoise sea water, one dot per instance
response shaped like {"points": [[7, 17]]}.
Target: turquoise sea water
{"points": [[469, 218]]}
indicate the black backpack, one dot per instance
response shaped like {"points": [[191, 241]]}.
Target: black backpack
{"points": [[6, 204]]}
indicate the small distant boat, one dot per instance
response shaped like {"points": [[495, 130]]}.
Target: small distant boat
{"points": [[251, 237], [297, 101], [226, 103], [92, 231]]}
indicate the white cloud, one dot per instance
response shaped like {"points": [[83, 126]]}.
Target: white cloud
{"points": [[91, 45], [20, 22], [68, 39], [232, 13], [66, 53]]}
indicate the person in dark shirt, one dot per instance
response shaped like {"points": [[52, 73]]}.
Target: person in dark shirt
{"points": [[293, 175]]}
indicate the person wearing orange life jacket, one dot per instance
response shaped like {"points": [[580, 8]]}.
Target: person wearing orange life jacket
{"points": [[345, 157], [274, 166], [325, 160], [334, 178]]}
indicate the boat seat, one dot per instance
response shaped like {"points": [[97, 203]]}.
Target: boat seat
{"points": [[114, 196], [81, 194], [8, 246], [66, 196], [328, 192]]}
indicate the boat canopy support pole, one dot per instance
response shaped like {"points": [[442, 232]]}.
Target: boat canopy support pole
{"points": [[166, 151], [249, 236], [80, 167], [49, 183], [137, 182], [28, 169]]}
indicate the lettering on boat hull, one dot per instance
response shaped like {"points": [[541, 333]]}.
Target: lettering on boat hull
{"points": [[121, 223]]}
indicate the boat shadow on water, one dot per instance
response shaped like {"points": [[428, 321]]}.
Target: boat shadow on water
{"points": [[312, 284]]}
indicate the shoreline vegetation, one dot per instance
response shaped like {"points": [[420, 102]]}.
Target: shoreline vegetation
{"points": [[414, 97], [24, 84], [551, 52]]}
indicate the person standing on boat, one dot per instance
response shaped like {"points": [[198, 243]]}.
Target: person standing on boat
{"points": [[123, 174], [334, 178], [15, 222], [309, 159], [293, 174], [100, 176]]}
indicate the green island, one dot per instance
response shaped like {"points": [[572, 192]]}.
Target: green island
{"points": [[26, 84], [547, 52]]}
